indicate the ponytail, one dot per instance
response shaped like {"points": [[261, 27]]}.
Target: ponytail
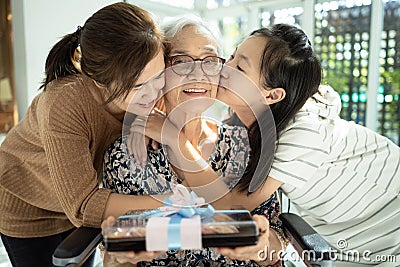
{"points": [[116, 44], [59, 60]]}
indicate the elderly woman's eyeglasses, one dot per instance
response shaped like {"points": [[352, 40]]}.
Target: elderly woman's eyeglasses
{"points": [[185, 64]]}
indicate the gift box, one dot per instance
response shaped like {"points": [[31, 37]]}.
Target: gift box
{"points": [[173, 226]]}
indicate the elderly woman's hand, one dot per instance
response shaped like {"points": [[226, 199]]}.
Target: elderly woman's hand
{"points": [[260, 252], [112, 258], [131, 257]]}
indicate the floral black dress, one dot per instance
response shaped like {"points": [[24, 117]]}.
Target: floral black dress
{"points": [[229, 159]]}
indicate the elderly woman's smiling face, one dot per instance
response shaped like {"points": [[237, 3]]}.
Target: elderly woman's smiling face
{"points": [[184, 83]]}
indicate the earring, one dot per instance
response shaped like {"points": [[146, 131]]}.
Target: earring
{"points": [[76, 59]]}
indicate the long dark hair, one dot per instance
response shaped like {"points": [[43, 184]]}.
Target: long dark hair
{"points": [[288, 62], [116, 42]]}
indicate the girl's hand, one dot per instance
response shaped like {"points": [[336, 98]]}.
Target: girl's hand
{"points": [[137, 142], [256, 252], [157, 127]]}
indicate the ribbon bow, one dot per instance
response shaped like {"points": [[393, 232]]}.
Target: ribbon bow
{"points": [[177, 225], [183, 203]]}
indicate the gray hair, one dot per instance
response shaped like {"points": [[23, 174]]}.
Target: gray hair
{"points": [[172, 26]]}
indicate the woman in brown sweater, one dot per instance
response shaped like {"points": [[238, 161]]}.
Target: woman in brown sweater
{"points": [[51, 161]]}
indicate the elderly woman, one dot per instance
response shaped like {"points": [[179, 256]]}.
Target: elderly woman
{"points": [[193, 76], [192, 80]]}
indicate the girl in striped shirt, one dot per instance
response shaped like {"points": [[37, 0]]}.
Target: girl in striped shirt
{"points": [[343, 178]]}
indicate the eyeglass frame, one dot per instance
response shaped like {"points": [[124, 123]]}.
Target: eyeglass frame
{"points": [[194, 66]]}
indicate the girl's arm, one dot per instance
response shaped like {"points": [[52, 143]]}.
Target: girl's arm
{"points": [[119, 204], [188, 163], [197, 173]]}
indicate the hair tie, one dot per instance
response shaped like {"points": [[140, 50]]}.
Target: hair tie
{"points": [[77, 34], [78, 31]]}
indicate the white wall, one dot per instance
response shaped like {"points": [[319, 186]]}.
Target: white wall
{"points": [[37, 26]]}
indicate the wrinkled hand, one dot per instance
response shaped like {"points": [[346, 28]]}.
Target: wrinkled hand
{"points": [[132, 257], [126, 256], [248, 253]]}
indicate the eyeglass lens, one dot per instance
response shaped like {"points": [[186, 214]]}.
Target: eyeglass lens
{"points": [[184, 64]]}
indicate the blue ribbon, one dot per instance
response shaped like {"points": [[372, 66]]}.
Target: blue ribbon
{"points": [[185, 212], [174, 232], [177, 211]]}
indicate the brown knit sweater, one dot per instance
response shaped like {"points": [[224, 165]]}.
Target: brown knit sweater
{"points": [[51, 161]]}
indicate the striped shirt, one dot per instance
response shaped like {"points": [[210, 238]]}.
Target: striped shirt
{"points": [[343, 178]]}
